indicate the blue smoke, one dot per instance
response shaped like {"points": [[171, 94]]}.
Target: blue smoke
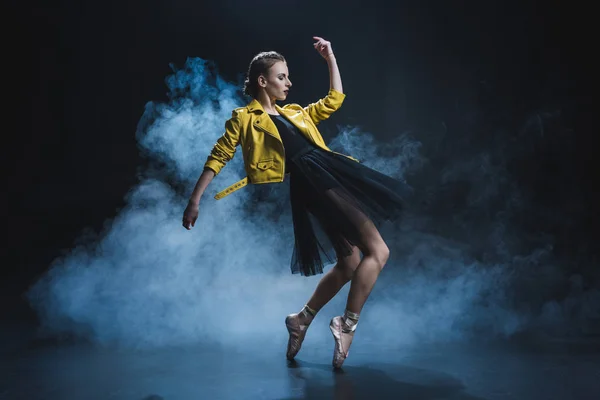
{"points": [[146, 281]]}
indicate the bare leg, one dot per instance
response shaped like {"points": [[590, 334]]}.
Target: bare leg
{"points": [[334, 280], [366, 274], [376, 254], [370, 242], [328, 286]]}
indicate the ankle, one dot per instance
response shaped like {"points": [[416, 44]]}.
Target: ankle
{"points": [[349, 321], [307, 313]]}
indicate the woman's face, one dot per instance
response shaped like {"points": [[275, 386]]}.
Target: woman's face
{"points": [[277, 82]]}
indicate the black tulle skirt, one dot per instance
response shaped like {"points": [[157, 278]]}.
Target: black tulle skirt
{"points": [[332, 197]]}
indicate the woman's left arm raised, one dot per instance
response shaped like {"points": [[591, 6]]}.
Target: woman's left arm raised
{"points": [[323, 108], [324, 48]]}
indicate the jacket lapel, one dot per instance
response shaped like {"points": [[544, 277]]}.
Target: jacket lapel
{"points": [[262, 122]]}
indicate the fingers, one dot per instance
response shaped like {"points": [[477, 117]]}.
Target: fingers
{"points": [[321, 45], [186, 223], [319, 41]]}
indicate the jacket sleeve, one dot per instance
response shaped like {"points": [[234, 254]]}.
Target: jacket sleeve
{"points": [[224, 150], [323, 108]]}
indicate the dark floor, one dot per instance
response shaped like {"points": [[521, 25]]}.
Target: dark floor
{"points": [[527, 369]]}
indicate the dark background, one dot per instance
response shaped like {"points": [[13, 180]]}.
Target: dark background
{"points": [[78, 75]]}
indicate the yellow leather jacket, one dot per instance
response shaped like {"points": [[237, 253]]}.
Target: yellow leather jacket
{"points": [[262, 148]]}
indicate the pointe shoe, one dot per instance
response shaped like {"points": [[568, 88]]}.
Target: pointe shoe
{"points": [[297, 332], [342, 342]]}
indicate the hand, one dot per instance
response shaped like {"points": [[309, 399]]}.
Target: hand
{"points": [[323, 47], [190, 215]]}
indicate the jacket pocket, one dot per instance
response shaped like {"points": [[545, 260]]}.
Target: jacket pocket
{"points": [[265, 164]]}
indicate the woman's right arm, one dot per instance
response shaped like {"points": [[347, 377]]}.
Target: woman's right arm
{"points": [[222, 152], [205, 178], [190, 215]]}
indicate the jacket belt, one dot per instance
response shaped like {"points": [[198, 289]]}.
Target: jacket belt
{"points": [[236, 186]]}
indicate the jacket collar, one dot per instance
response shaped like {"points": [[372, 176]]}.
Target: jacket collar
{"points": [[255, 105]]}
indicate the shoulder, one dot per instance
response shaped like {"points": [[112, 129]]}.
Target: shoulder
{"points": [[238, 115], [239, 112], [292, 106]]}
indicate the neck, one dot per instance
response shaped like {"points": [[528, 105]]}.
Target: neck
{"points": [[267, 104]]}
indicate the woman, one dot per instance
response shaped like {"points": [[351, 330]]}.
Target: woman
{"points": [[346, 198]]}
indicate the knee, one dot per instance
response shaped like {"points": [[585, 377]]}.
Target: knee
{"points": [[381, 253]]}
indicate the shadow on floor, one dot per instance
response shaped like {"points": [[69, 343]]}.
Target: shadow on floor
{"points": [[380, 381]]}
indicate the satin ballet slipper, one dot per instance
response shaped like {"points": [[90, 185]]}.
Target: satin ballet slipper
{"points": [[342, 342], [297, 332]]}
